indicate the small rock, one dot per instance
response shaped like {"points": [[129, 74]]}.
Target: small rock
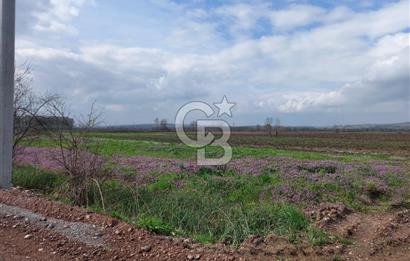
{"points": [[28, 236], [50, 226], [98, 234], [190, 257], [146, 248], [87, 216], [365, 199], [197, 257], [257, 241], [40, 250], [113, 223]]}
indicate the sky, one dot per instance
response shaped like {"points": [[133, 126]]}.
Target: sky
{"points": [[315, 63]]}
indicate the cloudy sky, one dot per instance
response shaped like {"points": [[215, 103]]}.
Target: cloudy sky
{"points": [[306, 62]]}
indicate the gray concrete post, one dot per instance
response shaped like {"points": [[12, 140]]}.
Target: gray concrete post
{"points": [[7, 38]]}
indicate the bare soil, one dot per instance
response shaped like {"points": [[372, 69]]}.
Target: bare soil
{"points": [[35, 228]]}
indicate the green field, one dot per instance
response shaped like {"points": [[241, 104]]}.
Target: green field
{"points": [[392, 143], [110, 146]]}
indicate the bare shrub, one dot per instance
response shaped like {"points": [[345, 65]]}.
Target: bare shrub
{"points": [[28, 107], [79, 153], [268, 125], [38, 115]]}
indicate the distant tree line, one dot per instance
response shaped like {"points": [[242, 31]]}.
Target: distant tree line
{"points": [[160, 125]]}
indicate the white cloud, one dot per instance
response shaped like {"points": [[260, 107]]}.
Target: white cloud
{"points": [[347, 60], [296, 16], [54, 16], [243, 16], [386, 80], [45, 53], [115, 107], [302, 101]]}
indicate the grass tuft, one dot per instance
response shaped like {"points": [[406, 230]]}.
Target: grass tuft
{"points": [[36, 179]]}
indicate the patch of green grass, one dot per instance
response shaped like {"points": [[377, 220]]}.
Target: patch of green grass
{"points": [[127, 147], [203, 212], [394, 181], [33, 178], [317, 237], [155, 225], [239, 152], [164, 182], [338, 141], [212, 207]]}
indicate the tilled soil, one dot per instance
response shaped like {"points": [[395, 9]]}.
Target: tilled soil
{"points": [[34, 228]]}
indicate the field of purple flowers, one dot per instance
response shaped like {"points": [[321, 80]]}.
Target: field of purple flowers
{"points": [[356, 184]]}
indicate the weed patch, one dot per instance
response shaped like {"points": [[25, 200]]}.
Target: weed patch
{"points": [[33, 178]]}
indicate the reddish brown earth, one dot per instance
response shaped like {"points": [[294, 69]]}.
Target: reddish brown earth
{"points": [[381, 236], [28, 236]]}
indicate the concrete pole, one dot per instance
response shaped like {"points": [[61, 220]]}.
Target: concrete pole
{"points": [[7, 38]]}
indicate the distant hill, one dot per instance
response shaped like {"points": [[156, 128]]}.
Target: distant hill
{"points": [[405, 126], [135, 127]]}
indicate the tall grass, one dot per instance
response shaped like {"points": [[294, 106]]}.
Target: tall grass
{"points": [[205, 216], [203, 208], [33, 178]]}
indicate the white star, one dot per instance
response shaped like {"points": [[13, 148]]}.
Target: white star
{"points": [[224, 107]]}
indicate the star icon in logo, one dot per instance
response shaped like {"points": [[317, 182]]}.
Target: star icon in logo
{"points": [[225, 107]]}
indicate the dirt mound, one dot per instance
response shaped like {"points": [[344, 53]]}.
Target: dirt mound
{"points": [[278, 248], [393, 232], [384, 236], [326, 214]]}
